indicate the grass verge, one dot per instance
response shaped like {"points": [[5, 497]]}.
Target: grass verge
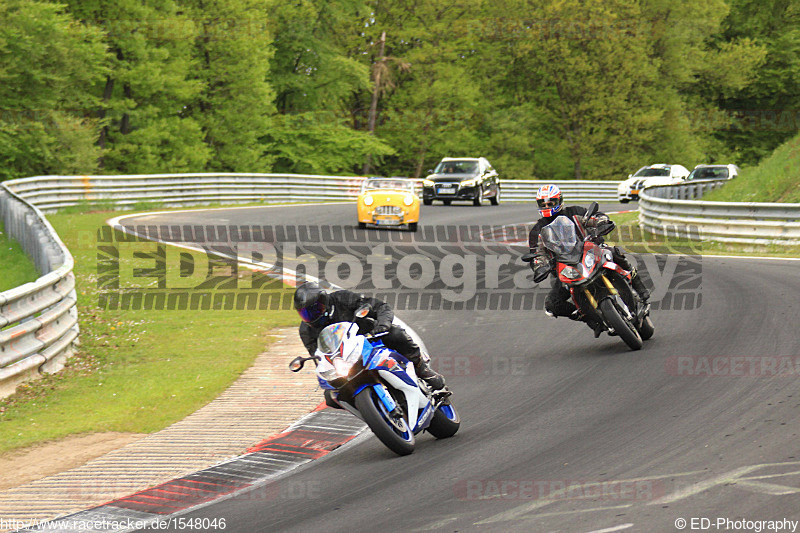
{"points": [[15, 267], [136, 370], [775, 179]]}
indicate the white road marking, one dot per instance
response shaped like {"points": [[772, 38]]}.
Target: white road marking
{"points": [[433, 526], [610, 529], [733, 477], [562, 513], [702, 486], [772, 489], [519, 512]]}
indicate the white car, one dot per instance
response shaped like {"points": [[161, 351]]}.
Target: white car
{"points": [[658, 174], [713, 173]]}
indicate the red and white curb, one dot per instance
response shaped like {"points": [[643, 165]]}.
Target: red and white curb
{"points": [[314, 436]]}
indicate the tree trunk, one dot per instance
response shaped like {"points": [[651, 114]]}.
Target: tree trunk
{"points": [[373, 107], [101, 114], [578, 167]]}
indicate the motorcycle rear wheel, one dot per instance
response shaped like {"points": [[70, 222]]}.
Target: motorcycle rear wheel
{"points": [[445, 422], [400, 441], [622, 326]]}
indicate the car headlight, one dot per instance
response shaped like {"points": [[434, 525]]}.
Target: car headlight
{"points": [[368, 200], [427, 183], [469, 183], [408, 200]]}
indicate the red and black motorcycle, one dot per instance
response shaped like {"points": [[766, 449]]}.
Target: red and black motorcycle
{"points": [[600, 289]]}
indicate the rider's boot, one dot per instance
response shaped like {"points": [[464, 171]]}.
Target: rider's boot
{"points": [[434, 380], [636, 279], [330, 402], [638, 286], [593, 323]]}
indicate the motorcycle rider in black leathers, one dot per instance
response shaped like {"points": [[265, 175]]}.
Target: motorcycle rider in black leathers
{"points": [[319, 308], [557, 302]]}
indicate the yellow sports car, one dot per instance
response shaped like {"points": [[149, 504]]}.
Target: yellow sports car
{"points": [[388, 202]]}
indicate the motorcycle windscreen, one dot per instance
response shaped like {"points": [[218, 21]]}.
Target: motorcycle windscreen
{"points": [[332, 337], [561, 238]]}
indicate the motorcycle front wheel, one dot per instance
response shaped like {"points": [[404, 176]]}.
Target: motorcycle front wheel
{"points": [[626, 331], [393, 432], [445, 422], [647, 328]]}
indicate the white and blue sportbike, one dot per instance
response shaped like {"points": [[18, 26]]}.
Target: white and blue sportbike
{"points": [[380, 387]]}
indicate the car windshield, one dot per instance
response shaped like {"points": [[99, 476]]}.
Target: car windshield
{"points": [[647, 172], [561, 238], [709, 173], [391, 184], [456, 167], [332, 337]]}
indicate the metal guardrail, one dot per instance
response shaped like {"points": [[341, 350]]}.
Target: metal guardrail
{"points": [[736, 222], [574, 191], [50, 193], [38, 320], [685, 191]]}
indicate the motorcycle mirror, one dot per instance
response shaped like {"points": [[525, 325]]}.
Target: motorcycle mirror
{"points": [[297, 364], [362, 311], [593, 208], [528, 257]]}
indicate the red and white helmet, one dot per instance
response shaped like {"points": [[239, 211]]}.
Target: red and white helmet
{"points": [[550, 200]]}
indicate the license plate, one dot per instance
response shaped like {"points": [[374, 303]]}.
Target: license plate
{"points": [[447, 189], [388, 222]]}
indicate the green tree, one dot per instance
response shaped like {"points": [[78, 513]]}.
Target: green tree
{"points": [[434, 108], [315, 78], [764, 114], [698, 66], [232, 58], [148, 87], [47, 64], [590, 79]]}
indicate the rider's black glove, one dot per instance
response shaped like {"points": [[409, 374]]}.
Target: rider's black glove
{"points": [[380, 329], [541, 266], [596, 221]]}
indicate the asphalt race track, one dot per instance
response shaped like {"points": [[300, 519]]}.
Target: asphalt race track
{"points": [[564, 432]]}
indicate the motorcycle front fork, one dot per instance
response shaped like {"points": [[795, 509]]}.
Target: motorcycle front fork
{"points": [[614, 293]]}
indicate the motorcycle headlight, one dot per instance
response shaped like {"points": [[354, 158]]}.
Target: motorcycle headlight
{"points": [[427, 183], [342, 367], [408, 200], [329, 374], [589, 261], [570, 273], [368, 200]]}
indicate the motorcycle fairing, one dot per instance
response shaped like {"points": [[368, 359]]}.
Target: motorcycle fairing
{"points": [[385, 359], [414, 399]]}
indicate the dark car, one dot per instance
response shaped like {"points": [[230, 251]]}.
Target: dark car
{"points": [[713, 173], [462, 178]]}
